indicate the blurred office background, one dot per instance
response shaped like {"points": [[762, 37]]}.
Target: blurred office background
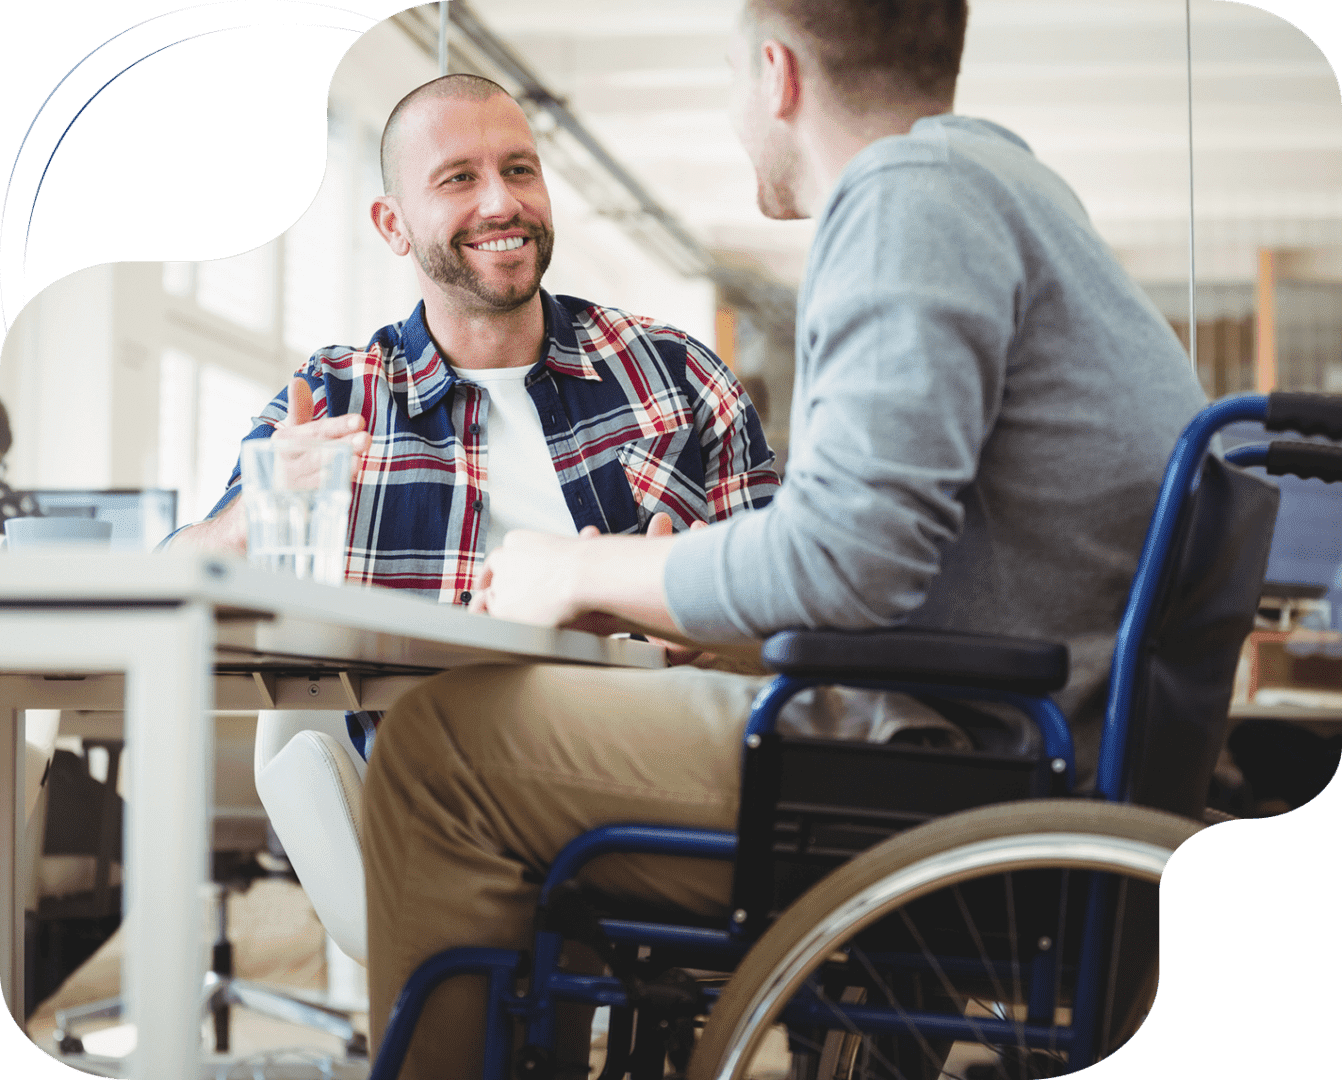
{"points": [[173, 358], [145, 375]]}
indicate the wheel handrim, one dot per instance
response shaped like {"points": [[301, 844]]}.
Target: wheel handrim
{"points": [[1139, 859]]}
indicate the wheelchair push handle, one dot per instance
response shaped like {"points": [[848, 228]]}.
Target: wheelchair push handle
{"points": [[1319, 461], [1309, 414]]}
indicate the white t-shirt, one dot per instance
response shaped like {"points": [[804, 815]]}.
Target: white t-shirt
{"points": [[521, 484]]}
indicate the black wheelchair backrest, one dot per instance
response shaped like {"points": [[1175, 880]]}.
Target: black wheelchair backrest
{"points": [[1205, 607]]}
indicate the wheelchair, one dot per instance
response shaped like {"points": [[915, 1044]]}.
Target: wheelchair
{"points": [[912, 912]]}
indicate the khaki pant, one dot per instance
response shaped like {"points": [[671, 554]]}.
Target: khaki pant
{"points": [[479, 777]]}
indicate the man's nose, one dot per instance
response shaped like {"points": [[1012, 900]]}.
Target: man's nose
{"points": [[497, 199]]}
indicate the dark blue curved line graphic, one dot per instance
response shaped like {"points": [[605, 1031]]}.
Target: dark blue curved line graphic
{"points": [[9, 184], [32, 209], [4, 204]]}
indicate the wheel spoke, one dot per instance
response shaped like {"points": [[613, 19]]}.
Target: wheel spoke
{"points": [[940, 863], [844, 1019], [925, 1046], [1058, 958], [1120, 908], [1017, 997], [946, 984], [973, 928]]}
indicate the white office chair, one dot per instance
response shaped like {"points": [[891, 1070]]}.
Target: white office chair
{"points": [[40, 730], [310, 780]]}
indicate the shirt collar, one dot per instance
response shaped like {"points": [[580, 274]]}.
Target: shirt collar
{"points": [[563, 352], [428, 378]]}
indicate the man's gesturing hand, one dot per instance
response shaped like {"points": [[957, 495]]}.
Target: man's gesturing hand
{"points": [[228, 530], [300, 425]]}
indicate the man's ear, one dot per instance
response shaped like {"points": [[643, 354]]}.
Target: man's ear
{"points": [[781, 76], [386, 215]]}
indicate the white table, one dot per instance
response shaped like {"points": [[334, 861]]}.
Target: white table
{"points": [[167, 638]]}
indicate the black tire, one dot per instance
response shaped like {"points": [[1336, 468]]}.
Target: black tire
{"points": [[1027, 849]]}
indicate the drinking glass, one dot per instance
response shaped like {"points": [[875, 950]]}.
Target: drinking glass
{"points": [[297, 494]]}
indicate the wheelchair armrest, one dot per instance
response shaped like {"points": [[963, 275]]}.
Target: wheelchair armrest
{"points": [[906, 654]]}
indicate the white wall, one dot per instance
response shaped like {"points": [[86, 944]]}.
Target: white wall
{"points": [[56, 378]]}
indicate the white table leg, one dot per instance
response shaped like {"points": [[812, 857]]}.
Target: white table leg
{"points": [[11, 857], [169, 691], [166, 655]]}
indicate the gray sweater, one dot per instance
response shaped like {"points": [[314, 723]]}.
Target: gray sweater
{"points": [[984, 405]]}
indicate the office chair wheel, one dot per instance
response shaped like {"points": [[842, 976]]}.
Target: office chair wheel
{"points": [[357, 1046], [70, 1044], [976, 920]]}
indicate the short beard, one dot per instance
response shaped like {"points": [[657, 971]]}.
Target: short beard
{"points": [[445, 265]]}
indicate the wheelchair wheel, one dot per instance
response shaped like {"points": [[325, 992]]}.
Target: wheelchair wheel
{"points": [[956, 949]]}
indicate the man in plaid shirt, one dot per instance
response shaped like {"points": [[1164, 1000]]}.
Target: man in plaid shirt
{"points": [[495, 405]]}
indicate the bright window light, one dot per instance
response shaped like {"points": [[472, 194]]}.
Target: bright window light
{"points": [[177, 428], [179, 278], [240, 289], [226, 404], [317, 257]]}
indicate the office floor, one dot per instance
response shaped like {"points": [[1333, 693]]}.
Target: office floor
{"points": [[277, 940]]}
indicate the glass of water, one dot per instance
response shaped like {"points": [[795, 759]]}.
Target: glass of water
{"points": [[297, 493]]}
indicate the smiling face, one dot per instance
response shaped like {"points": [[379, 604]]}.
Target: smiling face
{"points": [[471, 201]]}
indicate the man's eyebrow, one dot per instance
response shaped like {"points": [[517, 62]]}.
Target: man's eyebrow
{"points": [[447, 168]]}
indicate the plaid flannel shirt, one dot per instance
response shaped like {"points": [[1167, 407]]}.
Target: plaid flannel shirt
{"points": [[638, 418]]}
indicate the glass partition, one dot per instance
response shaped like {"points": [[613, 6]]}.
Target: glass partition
{"points": [[1267, 199]]}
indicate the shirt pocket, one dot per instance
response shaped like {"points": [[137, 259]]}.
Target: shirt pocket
{"points": [[660, 481]]}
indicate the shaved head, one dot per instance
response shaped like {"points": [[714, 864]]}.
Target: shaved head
{"points": [[448, 88]]}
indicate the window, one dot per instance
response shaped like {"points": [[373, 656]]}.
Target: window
{"points": [[204, 411], [236, 329], [318, 257]]}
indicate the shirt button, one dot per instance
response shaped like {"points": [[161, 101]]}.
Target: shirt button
{"points": [[474, 429], [578, 499], [478, 505], [552, 419], [465, 596]]}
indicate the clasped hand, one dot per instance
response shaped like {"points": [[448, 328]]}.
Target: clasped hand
{"points": [[550, 580]]}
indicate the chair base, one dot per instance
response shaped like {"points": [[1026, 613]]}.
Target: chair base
{"points": [[219, 995]]}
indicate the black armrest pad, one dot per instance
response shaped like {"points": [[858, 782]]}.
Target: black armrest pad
{"points": [[912, 655]]}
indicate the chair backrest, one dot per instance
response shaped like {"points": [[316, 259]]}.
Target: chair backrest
{"points": [[1205, 604], [310, 782], [275, 727]]}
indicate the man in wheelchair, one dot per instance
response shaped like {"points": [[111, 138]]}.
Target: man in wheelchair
{"points": [[983, 408]]}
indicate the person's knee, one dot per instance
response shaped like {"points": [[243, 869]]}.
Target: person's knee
{"points": [[417, 721]]}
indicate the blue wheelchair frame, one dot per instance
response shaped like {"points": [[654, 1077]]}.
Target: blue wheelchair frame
{"points": [[549, 984]]}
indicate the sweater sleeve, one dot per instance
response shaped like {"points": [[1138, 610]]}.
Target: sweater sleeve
{"points": [[906, 324]]}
